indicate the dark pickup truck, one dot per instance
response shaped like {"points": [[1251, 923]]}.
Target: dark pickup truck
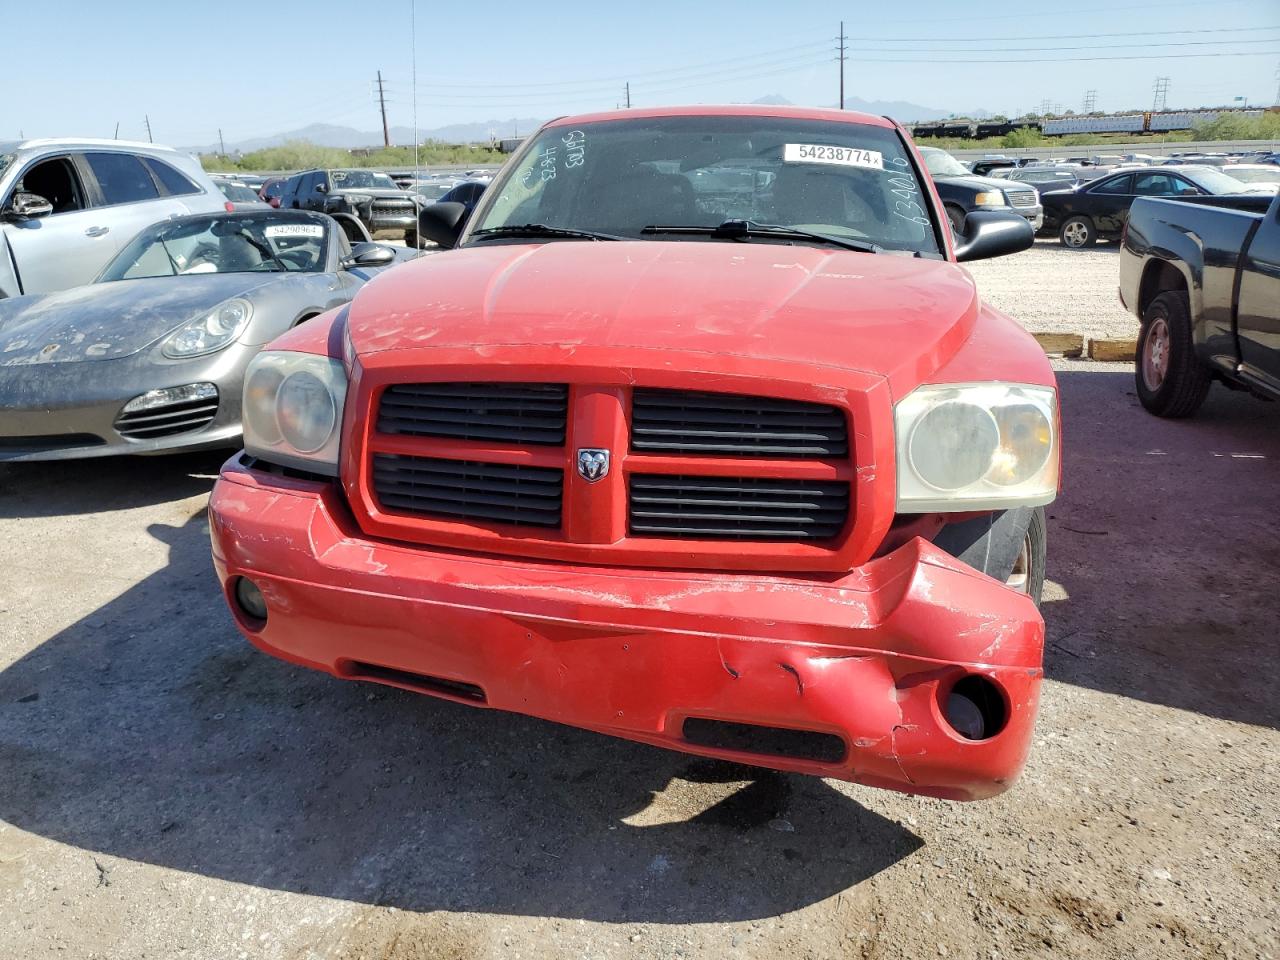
{"points": [[1203, 276]]}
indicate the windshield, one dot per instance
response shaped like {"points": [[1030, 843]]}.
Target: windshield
{"points": [[237, 192], [1212, 179], [1269, 175], [432, 191], [942, 164], [841, 179], [362, 180], [222, 243]]}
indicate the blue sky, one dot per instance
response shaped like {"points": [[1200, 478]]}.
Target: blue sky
{"points": [[255, 69]]}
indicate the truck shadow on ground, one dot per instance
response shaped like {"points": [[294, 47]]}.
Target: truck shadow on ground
{"points": [[1166, 540], [151, 731]]}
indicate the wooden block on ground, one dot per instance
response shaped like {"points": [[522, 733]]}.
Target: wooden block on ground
{"points": [[1123, 349], [1060, 344]]}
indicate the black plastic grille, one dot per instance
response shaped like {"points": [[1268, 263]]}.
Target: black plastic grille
{"points": [[467, 490], [731, 508], [166, 421], [692, 422], [517, 413]]}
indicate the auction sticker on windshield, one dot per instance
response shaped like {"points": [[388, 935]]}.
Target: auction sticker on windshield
{"points": [[294, 230], [839, 156]]}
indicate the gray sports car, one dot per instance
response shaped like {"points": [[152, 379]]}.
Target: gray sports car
{"points": [[151, 356]]}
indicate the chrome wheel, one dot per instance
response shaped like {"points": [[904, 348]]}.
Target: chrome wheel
{"points": [[1020, 576], [1155, 354], [1076, 233]]}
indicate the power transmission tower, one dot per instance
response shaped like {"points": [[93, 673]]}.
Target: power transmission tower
{"points": [[1090, 100], [1045, 107], [842, 54], [1161, 90], [147, 120], [626, 94], [382, 104]]}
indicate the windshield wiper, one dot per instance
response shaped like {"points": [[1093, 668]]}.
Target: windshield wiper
{"points": [[541, 230], [746, 229], [263, 248]]}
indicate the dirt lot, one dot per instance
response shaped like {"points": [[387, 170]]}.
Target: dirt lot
{"points": [[167, 792]]}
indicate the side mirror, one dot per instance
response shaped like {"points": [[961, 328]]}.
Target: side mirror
{"points": [[442, 223], [322, 187], [28, 206], [990, 234], [368, 255], [274, 201]]}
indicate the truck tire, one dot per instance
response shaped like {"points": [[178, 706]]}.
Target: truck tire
{"points": [[1006, 545], [1078, 233], [956, 216], [1170, 379]]}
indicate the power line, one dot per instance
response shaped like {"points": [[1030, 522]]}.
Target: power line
{"points": [[1066, 36], [1154, 56]]}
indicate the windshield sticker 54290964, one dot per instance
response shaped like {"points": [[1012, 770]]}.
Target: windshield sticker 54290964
{"points": [[838, 156]]}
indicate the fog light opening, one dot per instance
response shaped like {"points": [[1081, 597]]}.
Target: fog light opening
{"points": [[976, 708], [252, 604]]}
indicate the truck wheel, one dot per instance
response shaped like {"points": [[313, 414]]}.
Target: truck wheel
{"points": [[1078, 233], [1170, 380], [956, 216], [1027, 575]]}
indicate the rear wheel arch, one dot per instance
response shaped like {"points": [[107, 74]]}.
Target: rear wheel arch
{"points": [[1159, 276]]}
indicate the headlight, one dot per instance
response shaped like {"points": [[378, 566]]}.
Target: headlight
{"points": [[293, 409], [977, 447], [213, 331], [355, 199], [993, 199]]}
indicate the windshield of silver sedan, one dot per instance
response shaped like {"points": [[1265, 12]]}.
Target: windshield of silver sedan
{"points": [[848, 184], [221, 243]]}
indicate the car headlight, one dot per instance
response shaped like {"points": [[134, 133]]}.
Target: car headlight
{"points": [[293, 409], [210, 332], [355, 199], [976, 447], [994, 198]]}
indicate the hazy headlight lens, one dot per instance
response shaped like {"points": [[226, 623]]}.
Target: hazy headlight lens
{"points": [[293, 409], [211, 332], [983, 446], [951, 445], [993, 199], [305, 412], [1025, 443]]}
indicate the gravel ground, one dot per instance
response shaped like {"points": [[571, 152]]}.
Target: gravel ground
{"points": [[1051, 289], [165, 791]]}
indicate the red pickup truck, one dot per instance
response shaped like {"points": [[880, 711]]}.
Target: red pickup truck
{"points": [[696, 435]]}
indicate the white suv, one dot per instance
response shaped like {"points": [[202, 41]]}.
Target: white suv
{"points": [[68, 206]]}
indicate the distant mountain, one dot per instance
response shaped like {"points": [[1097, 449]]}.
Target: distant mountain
{"points": [[347, 138], [900, 110]]}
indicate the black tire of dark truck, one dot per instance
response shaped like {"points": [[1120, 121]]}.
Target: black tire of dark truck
{"points": [[1171, 382], [1007, 545]]}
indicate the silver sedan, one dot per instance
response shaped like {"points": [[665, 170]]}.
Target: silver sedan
{"points": [[151, 356]]}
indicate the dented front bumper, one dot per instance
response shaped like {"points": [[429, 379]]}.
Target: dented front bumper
{"points": [[865, 661]]}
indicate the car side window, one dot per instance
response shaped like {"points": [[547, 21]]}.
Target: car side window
{"points": [[57, 181], [1184, 188], [175, 184], [1155, 185], [122, 178], [1118, 186]]}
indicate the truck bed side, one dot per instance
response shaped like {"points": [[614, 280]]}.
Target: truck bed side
{"points": [[1196, 248]]}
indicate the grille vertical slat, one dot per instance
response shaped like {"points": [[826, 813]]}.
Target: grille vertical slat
{"points": [[514, 413], [750, 508], [468, 490], [695, 422]]}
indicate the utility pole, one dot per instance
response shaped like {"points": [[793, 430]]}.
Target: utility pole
{"points": [[116, 135], [221, 144], [842, 54], [626, 91], [382, 103], [1090, 100], [1161, 98], [1278, 86], [147, 120]]}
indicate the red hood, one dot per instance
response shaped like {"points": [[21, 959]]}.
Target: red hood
{"points": [[886, 315]]}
